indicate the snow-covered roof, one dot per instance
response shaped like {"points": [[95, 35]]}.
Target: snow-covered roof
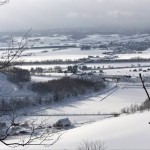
{"points": [[63, 122]]}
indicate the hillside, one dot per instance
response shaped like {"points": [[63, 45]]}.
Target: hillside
{"points": [[125, 132], [121, 133]]}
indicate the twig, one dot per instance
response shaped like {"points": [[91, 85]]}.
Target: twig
{"points": [[144, 86]]}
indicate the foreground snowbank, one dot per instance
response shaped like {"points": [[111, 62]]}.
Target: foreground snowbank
{"points": [[125, 132]]}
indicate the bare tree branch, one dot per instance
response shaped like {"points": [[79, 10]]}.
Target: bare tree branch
{"points": [[33, 134], [96, 145], [36, 136], [14, 51], [144, 86]]}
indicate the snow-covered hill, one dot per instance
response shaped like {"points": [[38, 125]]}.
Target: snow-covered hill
{"points": [[10, 90], [125, 132], [121, 133]]}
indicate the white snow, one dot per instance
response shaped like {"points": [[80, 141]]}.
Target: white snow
{"points": [[124, 132], [128, 71], [43, 78], [10, 90], [110, 100]]}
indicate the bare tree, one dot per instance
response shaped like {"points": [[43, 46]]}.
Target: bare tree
{"points": [[13, 53], [93, 145], [27, 132]]}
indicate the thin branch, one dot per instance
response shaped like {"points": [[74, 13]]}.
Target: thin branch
{"points": [[13, 54], [144, 86], [36, 136]]}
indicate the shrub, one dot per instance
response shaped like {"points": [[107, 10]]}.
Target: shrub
{"points": [[97, 145]]}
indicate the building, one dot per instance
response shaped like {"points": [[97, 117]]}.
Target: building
{"points": [[62, 123]]}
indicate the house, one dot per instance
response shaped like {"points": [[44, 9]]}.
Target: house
{"points": [[62, 123]]}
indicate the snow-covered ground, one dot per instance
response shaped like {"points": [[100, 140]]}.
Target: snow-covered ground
{"points": [[76, 53], [144, 54], [117, 133], [64, 66], [128, 71], [121, 133], [10, 90], [43, 78], [64, 54], [48, 76], [112, 99], [95, 38], [72, 54], [93, 65], [124, 132]]}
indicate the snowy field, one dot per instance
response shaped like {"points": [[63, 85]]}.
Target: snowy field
{"points": [[76, 53], [43, 78], [87, 112], [124, 132], [121, 133], [10, 90], [112, 99], [52, 54], [118, 64], [64, 66], [72, 54], [117, 133], [48, 77], [93, 65], [114, 38], [144, 54], [128, 71]]}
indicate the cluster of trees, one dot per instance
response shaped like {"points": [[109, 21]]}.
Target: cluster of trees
{"points": [[134, 108], [17, 75], [92, 145], [66, 87], [36, 70], [140, 46], [17, 103], [73, 69], [40, 70], [55, 61], [56, 69]]}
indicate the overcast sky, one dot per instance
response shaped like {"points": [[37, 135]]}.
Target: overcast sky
{"points": [[47, 14]]}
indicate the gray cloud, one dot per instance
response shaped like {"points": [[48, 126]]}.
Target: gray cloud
{"points": [[47, 14]]}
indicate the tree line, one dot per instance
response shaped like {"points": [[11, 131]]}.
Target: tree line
{"points": [[66, 88]]}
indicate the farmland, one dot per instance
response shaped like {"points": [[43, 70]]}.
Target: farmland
{"points": [[86, 106]]}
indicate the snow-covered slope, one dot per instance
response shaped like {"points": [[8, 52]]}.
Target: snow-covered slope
{"points": [[126, 132], [121, 133], [9, 90], [110, 100]]}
